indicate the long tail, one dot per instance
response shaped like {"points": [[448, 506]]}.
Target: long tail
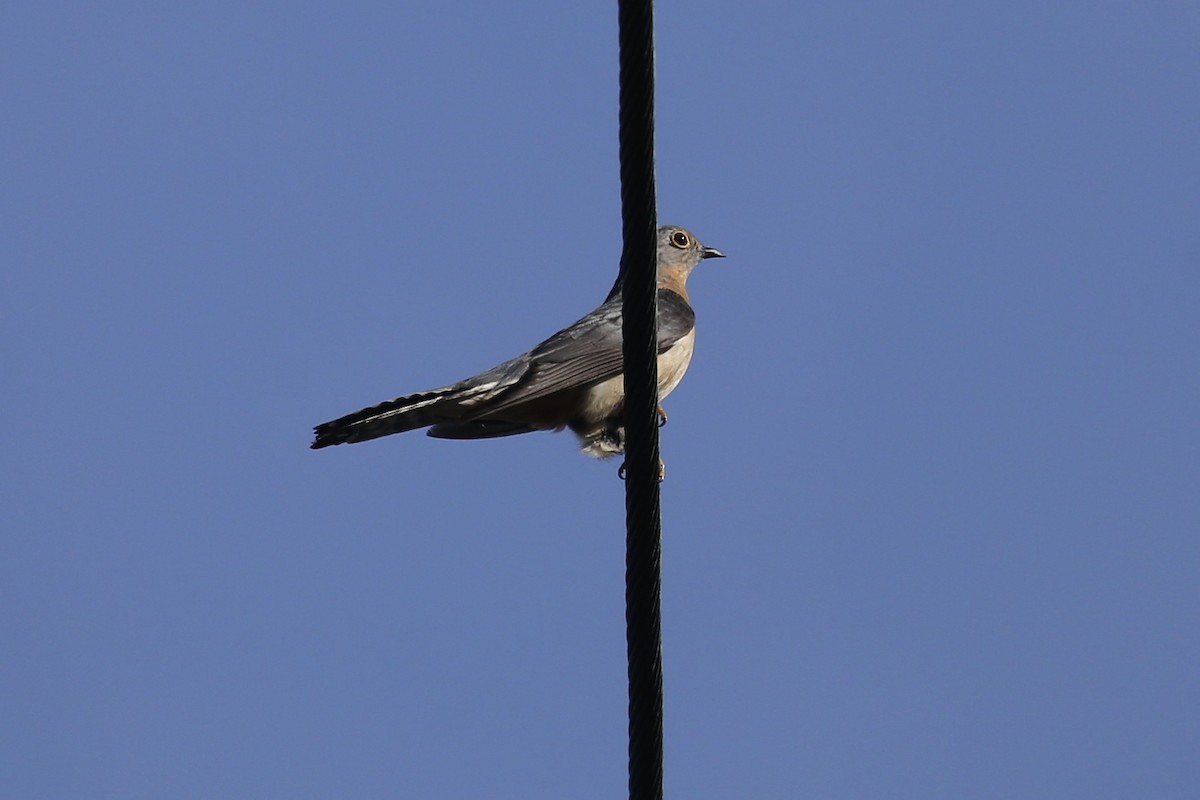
{"points": [[394, 416]]}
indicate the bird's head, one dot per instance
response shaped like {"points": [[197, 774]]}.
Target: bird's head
{"points": [[679, 252]]}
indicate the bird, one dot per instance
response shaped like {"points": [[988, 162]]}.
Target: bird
{"points": [[571, 380]]}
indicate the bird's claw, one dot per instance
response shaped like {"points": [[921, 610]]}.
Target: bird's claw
{"points": [[662, 416]]}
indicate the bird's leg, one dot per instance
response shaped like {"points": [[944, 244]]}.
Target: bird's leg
{"points": [[662, 468]]}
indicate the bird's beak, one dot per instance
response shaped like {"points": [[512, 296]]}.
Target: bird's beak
{"points": [[712, 252]]}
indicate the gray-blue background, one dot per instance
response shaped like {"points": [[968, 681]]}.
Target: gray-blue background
{"points": [[931, 514]]}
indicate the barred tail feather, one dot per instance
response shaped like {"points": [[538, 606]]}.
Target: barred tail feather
{"points": [[394, 416]]}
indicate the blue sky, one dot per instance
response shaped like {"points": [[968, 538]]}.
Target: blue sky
{"points": [[931, 513]]}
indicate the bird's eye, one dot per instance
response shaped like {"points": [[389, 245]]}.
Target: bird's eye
{"points": [[680, 239]]}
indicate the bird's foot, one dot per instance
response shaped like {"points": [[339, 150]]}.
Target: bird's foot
{"points": [[662, 471], [662, 416]]}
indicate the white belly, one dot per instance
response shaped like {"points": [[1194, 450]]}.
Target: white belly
{"points": [[673, 363]]}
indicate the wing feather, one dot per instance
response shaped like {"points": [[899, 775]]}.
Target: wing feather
{"points": [[587, 352]]}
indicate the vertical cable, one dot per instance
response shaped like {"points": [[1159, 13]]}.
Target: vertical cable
{"points": [[643, 524]]}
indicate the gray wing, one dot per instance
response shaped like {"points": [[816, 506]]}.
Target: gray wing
{"points": [[586, 352]]}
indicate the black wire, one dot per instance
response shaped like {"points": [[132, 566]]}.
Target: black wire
{"points": [[637, 281]]}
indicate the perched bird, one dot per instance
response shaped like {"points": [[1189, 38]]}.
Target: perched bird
{"points": [[572, 380]]}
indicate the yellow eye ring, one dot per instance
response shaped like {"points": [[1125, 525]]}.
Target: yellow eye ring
{"points": [[680, 239]]}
